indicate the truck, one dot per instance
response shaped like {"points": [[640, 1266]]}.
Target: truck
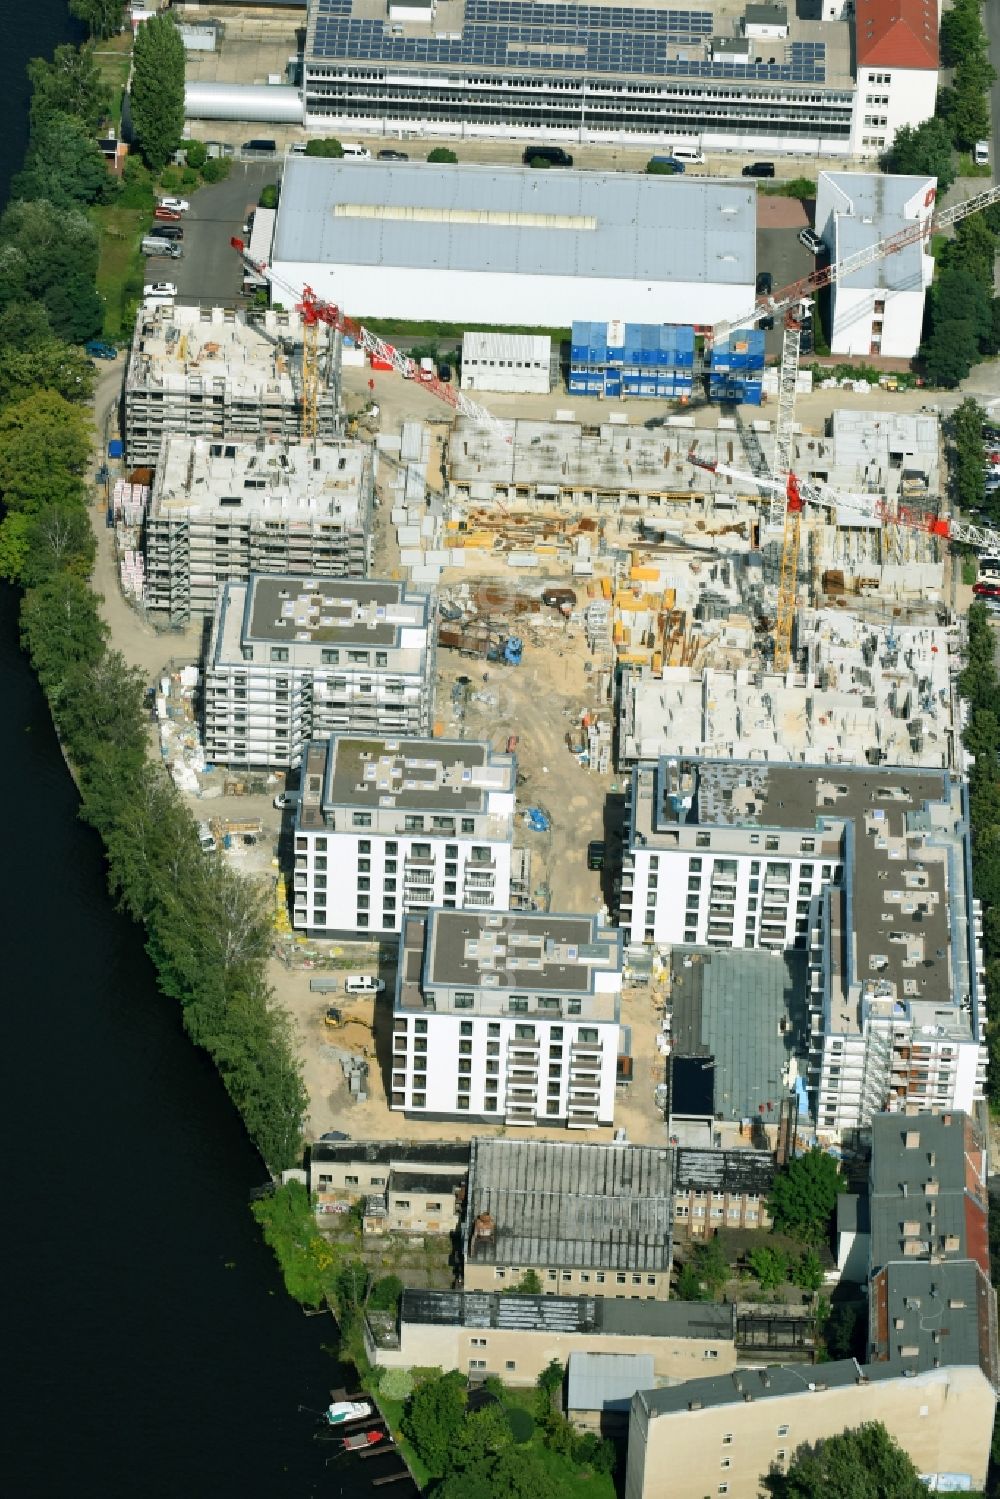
{"points": [[153, 245]]}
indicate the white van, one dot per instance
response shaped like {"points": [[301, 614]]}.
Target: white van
{"points": [[362, 983], [686, 154], [981, 154], [357, 153]]}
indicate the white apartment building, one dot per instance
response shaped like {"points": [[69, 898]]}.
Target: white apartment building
{"points": [[213, 372], [878, 310], [896, 47], [507, 1018], [869, 870], [220, 511], [389, 826], [291, 659]]}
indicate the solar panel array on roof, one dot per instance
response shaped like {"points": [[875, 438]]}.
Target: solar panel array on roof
{"points": [[562, 38]]}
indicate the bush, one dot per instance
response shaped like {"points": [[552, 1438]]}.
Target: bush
{"points": [[196, 153], [441, 154], [522, 1425], [189, 177], [385, 1293], [329, 147], [137, 185], [216, 168], [396, 1384], [171, 180], [268, 196]]}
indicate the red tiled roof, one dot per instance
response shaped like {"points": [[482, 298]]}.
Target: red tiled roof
{"points": [[897, 33]]}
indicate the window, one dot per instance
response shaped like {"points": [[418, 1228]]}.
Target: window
{"points": [[620, 1278], [279, 653], [402, 1202], [599, 1277], [465, 1028], [727, 1440], [464, 1001], [468, 824], [723, 1488], [477, 1363], [781, 1454], [710, 1353], [782, 1431], [567, 1275], [510, 1364], [477, 1342], [361, 819], [637, 1280], [500, 1272], [726, 1462], [351, 1181], [330, 658]]}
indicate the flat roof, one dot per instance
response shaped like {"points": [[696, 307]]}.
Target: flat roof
{"points": [[177, 347], [599, 42], [325, 481], [606, 1381], [600, 1206], [396, 1152], [285, 608], [598, 1315], [451, 775], [733, 1171], [457, 217], [923, 1313], [518, 949], [739, 1018], [870, 206], [927, 1188]]}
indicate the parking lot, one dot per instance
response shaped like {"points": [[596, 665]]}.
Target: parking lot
{"points": [[209, 270]]}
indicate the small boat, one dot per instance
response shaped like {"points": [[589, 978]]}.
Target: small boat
{"points": [[343, 1411], [362, 1439]]}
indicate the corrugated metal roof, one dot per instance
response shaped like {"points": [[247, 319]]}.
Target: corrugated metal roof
{"points": [[606, 1381], [527, 347], [596, 224], [572, 1206]]}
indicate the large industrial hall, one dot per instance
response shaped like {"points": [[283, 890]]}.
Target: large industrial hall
{"points": [[537, 249]]}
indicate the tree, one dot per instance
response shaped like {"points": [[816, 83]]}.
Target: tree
{"points": [[769, 1266], [658, 166], [49, 255], [348, 1286], [48, 366], [961, 32], [327, 147], [865, 1463], [64, 165], [24, 326], [385, 1294], [959, 311], [196, 154], [289, 1227], [71, 84], [845, 1330], [269, 196], [14, 551], [705, 1273], [434, 1419], [157, 91], [804, 1196], [44, 449], [530, 1284], [485, 1434], [441, 154], [922, 151], [101, 17], [807, 1273]]}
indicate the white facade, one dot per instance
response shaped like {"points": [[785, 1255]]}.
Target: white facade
{"points": [[885, 99], [869, 870], [389, 826], [518, 363], [291, 659], [511, 1018], [878, 310]]}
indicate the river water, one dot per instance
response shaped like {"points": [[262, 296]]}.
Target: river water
{"points": [[149, 1347]]}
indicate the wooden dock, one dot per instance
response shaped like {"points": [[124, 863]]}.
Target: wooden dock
{"points": [[378, 1483]]}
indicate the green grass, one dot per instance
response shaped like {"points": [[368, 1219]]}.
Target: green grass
{"points": [[113, 58], [968, 168], [970, 572], [394, 328], [938, 241], [794, 187], [392, 1410], [120, 266]]}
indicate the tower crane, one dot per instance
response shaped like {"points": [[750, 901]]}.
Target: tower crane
{"points": [[314, 312], [789, 494]]}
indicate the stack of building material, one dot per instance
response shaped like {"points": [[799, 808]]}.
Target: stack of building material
{"points": [[133, 575]]}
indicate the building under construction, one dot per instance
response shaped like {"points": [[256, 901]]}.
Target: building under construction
{"points": [[211, 372], [220, 511]]}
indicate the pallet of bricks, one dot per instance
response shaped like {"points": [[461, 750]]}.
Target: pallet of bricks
{"points": [[129, 503]]}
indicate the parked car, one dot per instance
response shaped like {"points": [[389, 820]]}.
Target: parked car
{"points": [[98, 349], [170, 215], [298, 148], [596, 854], [363, 983], [765, 284], [167, 231], [812, 241], [335, 1134], [759, 169], [444, 372], [153, 244], [554, 155], [284, 799], [356, 152], [159, 289], [176, 205], [393, 156], [981, 154]]}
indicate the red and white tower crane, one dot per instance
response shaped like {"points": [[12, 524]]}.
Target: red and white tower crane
{"points": [[315, 312]]}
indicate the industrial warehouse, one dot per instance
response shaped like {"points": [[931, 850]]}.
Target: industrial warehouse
{"points": [[406, 240]]}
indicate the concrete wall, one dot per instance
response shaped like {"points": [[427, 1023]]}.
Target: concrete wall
{"points": [[942, 1418], [651, 1285]]}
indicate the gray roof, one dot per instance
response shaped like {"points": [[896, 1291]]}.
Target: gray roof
{"points": [[440, 1183], [595, 1315], [852, 1214], [396, 1152], [451, 775], [927, 1189], [756, 1384], [871, 208], [606, 1381], [747, 1011], [925, 1314], [342, 611], [571, 1206], [537, 951], [478, 218]]}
